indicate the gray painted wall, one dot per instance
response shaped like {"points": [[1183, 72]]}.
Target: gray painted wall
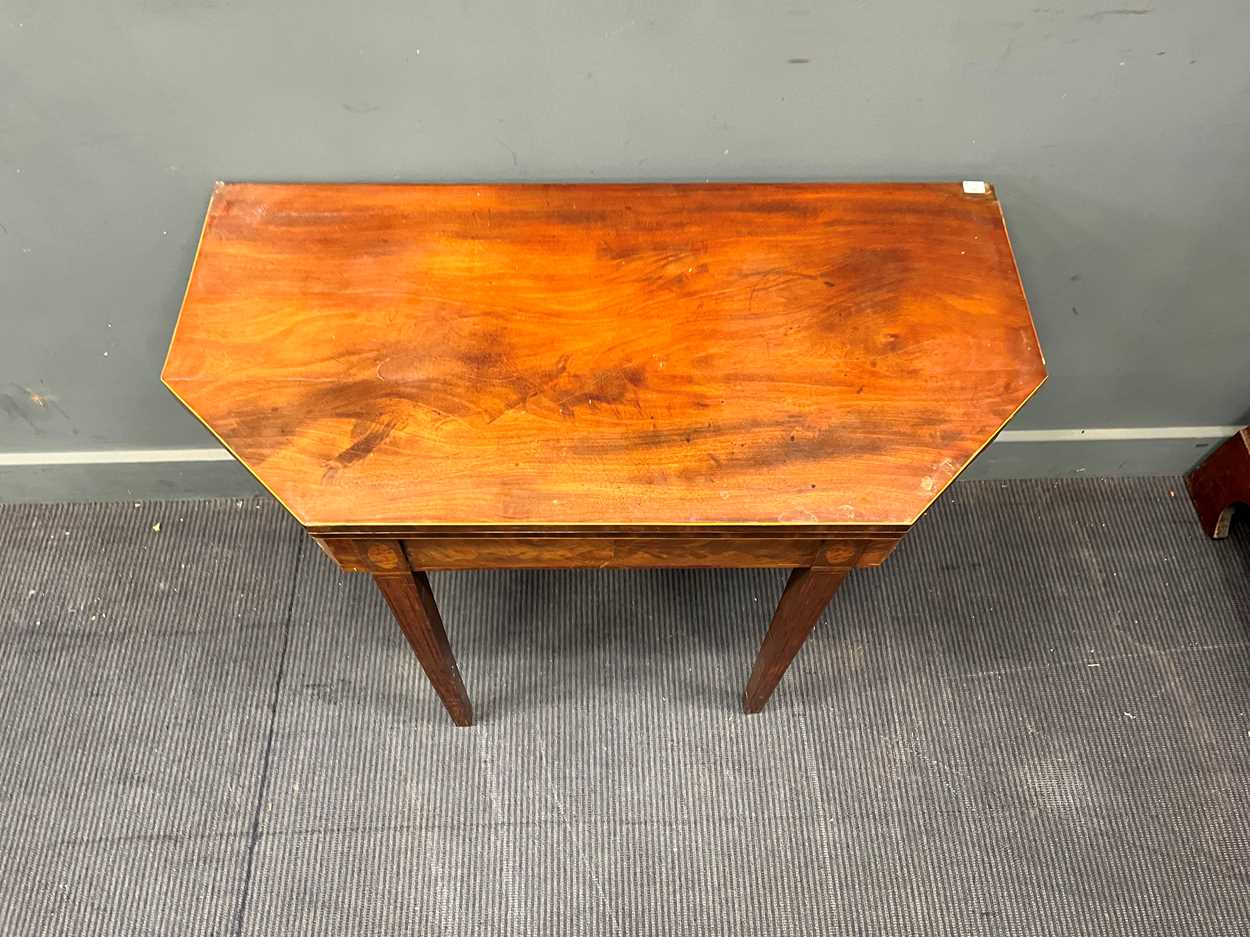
{"points": [[1118, 138]]}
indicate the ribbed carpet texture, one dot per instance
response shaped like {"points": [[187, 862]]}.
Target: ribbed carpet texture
{"points": [[1033, 719]]}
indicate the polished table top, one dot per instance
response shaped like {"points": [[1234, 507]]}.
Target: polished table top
{"points": [[550, 356]]}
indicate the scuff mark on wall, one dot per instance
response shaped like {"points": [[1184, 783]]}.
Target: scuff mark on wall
{"points": [[22, 404], [1100, 14]]}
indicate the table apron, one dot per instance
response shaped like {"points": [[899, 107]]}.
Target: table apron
{"points": [[380, 556]]}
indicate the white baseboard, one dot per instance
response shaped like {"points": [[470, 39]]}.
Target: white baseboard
{"points": [[1119, 433], [115, 456], [217, 454], [123, 474]]}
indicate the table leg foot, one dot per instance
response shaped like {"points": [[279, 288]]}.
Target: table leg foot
{"points": [[408, 594], [807, 593], [1220, 483]]}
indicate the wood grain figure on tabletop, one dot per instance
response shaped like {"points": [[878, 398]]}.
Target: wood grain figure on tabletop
{"points": [[414, 355], [1221, 483]]}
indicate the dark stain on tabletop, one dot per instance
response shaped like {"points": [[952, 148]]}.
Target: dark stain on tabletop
{"points": [[369, 435], [865, 280], [607, 387]]}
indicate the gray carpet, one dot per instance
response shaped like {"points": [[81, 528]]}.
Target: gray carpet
{"points": [[1034, 719]]}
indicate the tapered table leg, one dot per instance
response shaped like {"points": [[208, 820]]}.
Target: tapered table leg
{"points": [[1220, 483], [408, 594], [807, 593]]}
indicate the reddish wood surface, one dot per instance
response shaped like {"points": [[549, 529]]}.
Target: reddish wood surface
{"points": [[414, 356], [1221, 483], [412, 602], [807, 593]]}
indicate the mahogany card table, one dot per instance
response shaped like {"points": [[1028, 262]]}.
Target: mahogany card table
{"points": [[444, 377]]}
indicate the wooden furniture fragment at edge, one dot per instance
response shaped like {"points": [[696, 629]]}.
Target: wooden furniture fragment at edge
{"points": [[1220, 483]]}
